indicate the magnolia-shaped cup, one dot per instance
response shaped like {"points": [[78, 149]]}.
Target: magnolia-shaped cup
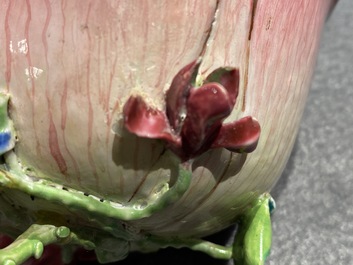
{"points": [[111, 97]]}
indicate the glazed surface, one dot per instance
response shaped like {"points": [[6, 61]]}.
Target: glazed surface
{"points": [[70, 66]]}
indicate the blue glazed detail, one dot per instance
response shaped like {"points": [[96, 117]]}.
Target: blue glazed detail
{"points": [[5, 139], [7, 130], [271, 205]]}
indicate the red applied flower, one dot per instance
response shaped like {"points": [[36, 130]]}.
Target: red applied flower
{"points": [[193, 120]]}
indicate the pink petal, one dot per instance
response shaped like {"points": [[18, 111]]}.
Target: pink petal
{"points": [[239, 136], [207, 106], [146, 122], [178, 93], [229, 79]]}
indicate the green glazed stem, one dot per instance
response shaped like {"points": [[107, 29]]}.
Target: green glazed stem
{"points": [[32, 242], [47, 190]]}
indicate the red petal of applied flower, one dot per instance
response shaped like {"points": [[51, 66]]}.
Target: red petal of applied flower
{"points": [[207, 106], [178, 93], [239, 136], [229, 79], [146, 122]]}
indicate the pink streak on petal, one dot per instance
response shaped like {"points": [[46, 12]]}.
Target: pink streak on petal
{"points": [[239, 136], [207, 106], [147, 122]]}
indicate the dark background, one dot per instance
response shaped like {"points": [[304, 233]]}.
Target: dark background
{"points": [[313, 223]]}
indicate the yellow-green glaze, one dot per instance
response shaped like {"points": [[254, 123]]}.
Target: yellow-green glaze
{"points": [[253, 242]]}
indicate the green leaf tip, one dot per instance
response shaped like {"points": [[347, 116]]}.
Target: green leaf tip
{"points": [[253, 243], [62, 232]]}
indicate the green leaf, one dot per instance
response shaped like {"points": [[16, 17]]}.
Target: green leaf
{"points": [[257, 241], [253, 241]]}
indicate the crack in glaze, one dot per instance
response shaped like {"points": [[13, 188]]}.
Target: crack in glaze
{"points": [[246, 74], [253, 13], [210, 31], [137, 189]]}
